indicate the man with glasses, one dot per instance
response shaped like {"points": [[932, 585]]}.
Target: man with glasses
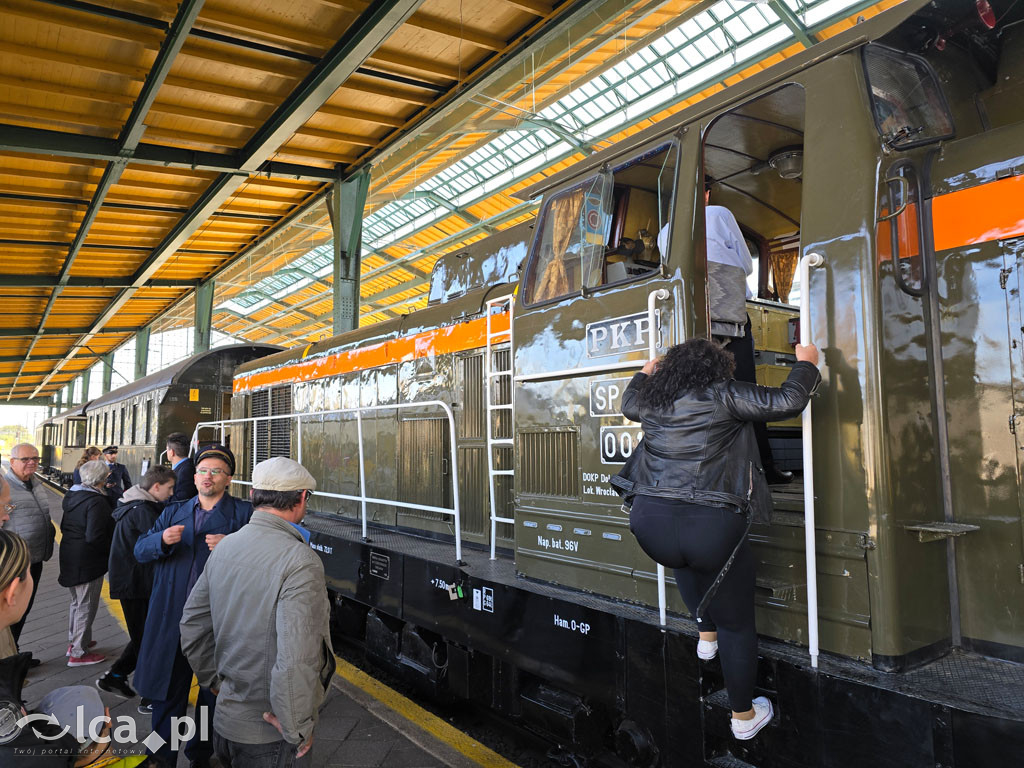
{"points": [[257, 627], [30, 518], [119, 481], [178, 545]]}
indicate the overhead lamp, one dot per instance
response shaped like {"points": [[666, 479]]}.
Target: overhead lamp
{"points": [[788, 162]]}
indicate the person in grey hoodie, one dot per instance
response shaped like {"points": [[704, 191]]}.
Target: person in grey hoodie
{"points": [[130, 581], [30, 518]]}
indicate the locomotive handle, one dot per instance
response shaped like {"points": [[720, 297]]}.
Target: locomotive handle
{"points": [[809, 260], [659, 294], [904, 196]]}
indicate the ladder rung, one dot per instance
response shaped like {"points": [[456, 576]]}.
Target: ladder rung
{"points": [[503, 519], [500, 441], [508, 472], [506, 372], [500, 406]]}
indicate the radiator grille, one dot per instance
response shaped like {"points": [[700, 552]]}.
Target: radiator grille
{"points": [[424, 473], [549, 462], [473, 415], [280, 429]]}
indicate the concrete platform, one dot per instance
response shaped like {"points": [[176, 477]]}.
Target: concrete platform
{"points": [[363, 723]]}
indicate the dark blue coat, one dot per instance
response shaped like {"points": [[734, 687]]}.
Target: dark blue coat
{"points": [[185, 481], [161, 638], [118, 482]]}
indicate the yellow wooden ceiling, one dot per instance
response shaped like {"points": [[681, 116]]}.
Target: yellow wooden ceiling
{"points": [[239, 139]]}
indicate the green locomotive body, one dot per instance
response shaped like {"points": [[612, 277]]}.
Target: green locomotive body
{"points": [[895, 152]]}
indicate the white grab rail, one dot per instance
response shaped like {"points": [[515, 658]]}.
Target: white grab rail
{"points": [[362, 498], [661, 294], [808, 261]]}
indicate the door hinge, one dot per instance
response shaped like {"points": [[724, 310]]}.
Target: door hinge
{"points": [[1004, 275], [1012, 423]]}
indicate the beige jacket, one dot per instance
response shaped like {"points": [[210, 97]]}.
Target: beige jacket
{"points": [[257, 626]]}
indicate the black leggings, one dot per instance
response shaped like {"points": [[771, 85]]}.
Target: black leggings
{"points": [[696, 541]]}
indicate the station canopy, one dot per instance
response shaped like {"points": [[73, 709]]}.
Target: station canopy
{"points": [[147, 146]]}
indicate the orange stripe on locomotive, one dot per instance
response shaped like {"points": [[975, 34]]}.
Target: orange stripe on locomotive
{"points": [[444, 340]]}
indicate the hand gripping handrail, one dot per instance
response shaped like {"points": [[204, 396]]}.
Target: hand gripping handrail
{"points": [[661, 294], [809, 260]]}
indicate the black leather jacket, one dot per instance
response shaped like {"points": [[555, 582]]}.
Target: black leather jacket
{"points": [[703, 450]]}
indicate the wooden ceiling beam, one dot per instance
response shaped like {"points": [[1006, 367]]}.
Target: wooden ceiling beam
{"points": [[291, 70], [316, 154], [174, 110], [90, 94], [220, 89], [268, 30], [432, 24], [418, 64], [85, 22], [75, 60], [346, 138], [536, 7], [392, 93], [359, 114]]}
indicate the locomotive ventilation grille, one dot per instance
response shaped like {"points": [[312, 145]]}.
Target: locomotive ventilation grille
{"points": [[549, 463]]}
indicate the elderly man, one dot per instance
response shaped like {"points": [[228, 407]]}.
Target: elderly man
{"points": [[256, 627], [179, 544], [30, 518]]}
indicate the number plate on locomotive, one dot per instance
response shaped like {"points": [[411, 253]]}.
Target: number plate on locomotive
{"points": [[618, 443]]}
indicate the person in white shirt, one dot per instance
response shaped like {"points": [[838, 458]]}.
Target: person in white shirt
{"points": [[726, 245]]}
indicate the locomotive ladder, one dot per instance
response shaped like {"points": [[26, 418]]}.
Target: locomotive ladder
{"points": [[492, 377]]}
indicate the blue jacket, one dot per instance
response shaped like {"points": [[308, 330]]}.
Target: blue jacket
{"points": [[161, 638], [185, 481]]}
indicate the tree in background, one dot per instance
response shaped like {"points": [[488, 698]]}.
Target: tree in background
{"points": [[11, 435]]}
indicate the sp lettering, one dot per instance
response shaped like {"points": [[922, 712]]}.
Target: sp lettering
{"points": [[606, 396], [618, 335]]}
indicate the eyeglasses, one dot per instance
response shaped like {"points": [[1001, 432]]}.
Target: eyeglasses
{"points": [[211, 472], [8, 508], [309, 494], [28, 459]]}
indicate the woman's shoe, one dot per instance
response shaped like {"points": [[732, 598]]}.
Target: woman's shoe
{"points": [[707, 649], [747, 729]]}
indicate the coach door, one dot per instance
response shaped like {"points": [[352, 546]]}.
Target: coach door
{"points": [[581, 330]]}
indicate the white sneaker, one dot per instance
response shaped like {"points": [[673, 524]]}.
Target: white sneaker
{"points": [[707, 649], [747, 729]]}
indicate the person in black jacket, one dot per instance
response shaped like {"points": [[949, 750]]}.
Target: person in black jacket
{"points": [[118, 480], [86, 530], [184, 468], [132, 582], [696, 482]]}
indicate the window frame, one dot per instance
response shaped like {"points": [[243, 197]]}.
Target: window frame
{"points": [[927, 67]]}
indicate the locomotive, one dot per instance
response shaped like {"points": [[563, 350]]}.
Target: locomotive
{"points": [[893, 153], [139, 416]]}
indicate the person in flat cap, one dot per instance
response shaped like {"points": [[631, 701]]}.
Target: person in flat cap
{"points": [[119, 481], [256, 627], [179, 544]]}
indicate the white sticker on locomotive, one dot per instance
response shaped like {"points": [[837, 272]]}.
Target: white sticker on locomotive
{"points": [[606, 396], [556, 542], [628, 333], [618, 443]]}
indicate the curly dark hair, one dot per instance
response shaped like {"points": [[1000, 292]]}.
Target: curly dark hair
{"points": [[692, 365]]}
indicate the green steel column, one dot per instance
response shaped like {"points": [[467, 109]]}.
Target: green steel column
{"points": [[108, 370], [345, 204], [142, 351], [203, 317], [86, 375], [71, 394], [59, 399]]}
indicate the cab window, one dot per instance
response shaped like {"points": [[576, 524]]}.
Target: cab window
{"points": [[611, 229]]}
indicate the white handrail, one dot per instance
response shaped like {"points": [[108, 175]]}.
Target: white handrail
{"points": [[661, 294], [809, 260], [454, 510]]}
